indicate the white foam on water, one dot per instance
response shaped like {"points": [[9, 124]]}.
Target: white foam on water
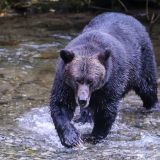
{"points": [[62, 36], [38, 121], [40, 46]]}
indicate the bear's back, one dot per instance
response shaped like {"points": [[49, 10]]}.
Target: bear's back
{"points": [[110, 21], [123, 27]]}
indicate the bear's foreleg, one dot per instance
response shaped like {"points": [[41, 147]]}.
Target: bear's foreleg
{"points": [[67, 133], [103, 120]]}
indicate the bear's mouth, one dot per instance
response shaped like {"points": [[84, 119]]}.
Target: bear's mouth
{"points": [[82, 103]]}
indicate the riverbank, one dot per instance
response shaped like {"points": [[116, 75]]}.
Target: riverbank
{"points": [[17, 29], [13, 29]]}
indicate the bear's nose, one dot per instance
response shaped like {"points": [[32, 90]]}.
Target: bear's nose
{"points": [[82, 103]]}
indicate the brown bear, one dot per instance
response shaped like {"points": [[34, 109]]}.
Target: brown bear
{"points": [[111, 56]]}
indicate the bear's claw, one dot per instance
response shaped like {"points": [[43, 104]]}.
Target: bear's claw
{"points": [[71, 138]]}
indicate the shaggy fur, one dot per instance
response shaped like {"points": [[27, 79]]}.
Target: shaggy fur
{"points": [[115, 52]]}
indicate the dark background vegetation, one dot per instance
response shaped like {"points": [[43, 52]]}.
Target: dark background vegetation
{"points": [[147, 9], [39, 6]]}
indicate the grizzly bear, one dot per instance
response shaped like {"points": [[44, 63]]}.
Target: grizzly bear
{"points": [[111, 56]]}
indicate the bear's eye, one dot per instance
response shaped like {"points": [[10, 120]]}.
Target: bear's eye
{"points": [[89, 81], [79, 81]]}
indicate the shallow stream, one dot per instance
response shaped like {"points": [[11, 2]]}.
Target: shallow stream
{"points": [[27, 66]]}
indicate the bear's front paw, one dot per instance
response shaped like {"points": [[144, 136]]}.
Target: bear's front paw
{"points": [[71, 138]]}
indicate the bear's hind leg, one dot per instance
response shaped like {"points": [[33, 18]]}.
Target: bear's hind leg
{"points": [[148, 93], [85, 116], [146, 86]]}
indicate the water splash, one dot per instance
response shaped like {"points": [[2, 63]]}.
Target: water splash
{"points": [[38, 121]]}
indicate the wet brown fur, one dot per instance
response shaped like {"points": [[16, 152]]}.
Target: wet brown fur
{"points": [[88, 67]]}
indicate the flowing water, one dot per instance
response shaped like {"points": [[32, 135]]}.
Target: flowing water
{"points": [[27, 66]]}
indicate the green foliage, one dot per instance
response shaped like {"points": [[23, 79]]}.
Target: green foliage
{"points": [[4, 4]]}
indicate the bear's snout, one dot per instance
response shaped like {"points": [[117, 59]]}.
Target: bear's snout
{"points": [[83, 95]]}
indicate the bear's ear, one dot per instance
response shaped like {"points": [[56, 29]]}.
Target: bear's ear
{"points": [[102, 57], [67, 56]]}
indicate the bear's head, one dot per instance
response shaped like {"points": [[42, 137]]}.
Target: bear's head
{"points": [[85, 73]]}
